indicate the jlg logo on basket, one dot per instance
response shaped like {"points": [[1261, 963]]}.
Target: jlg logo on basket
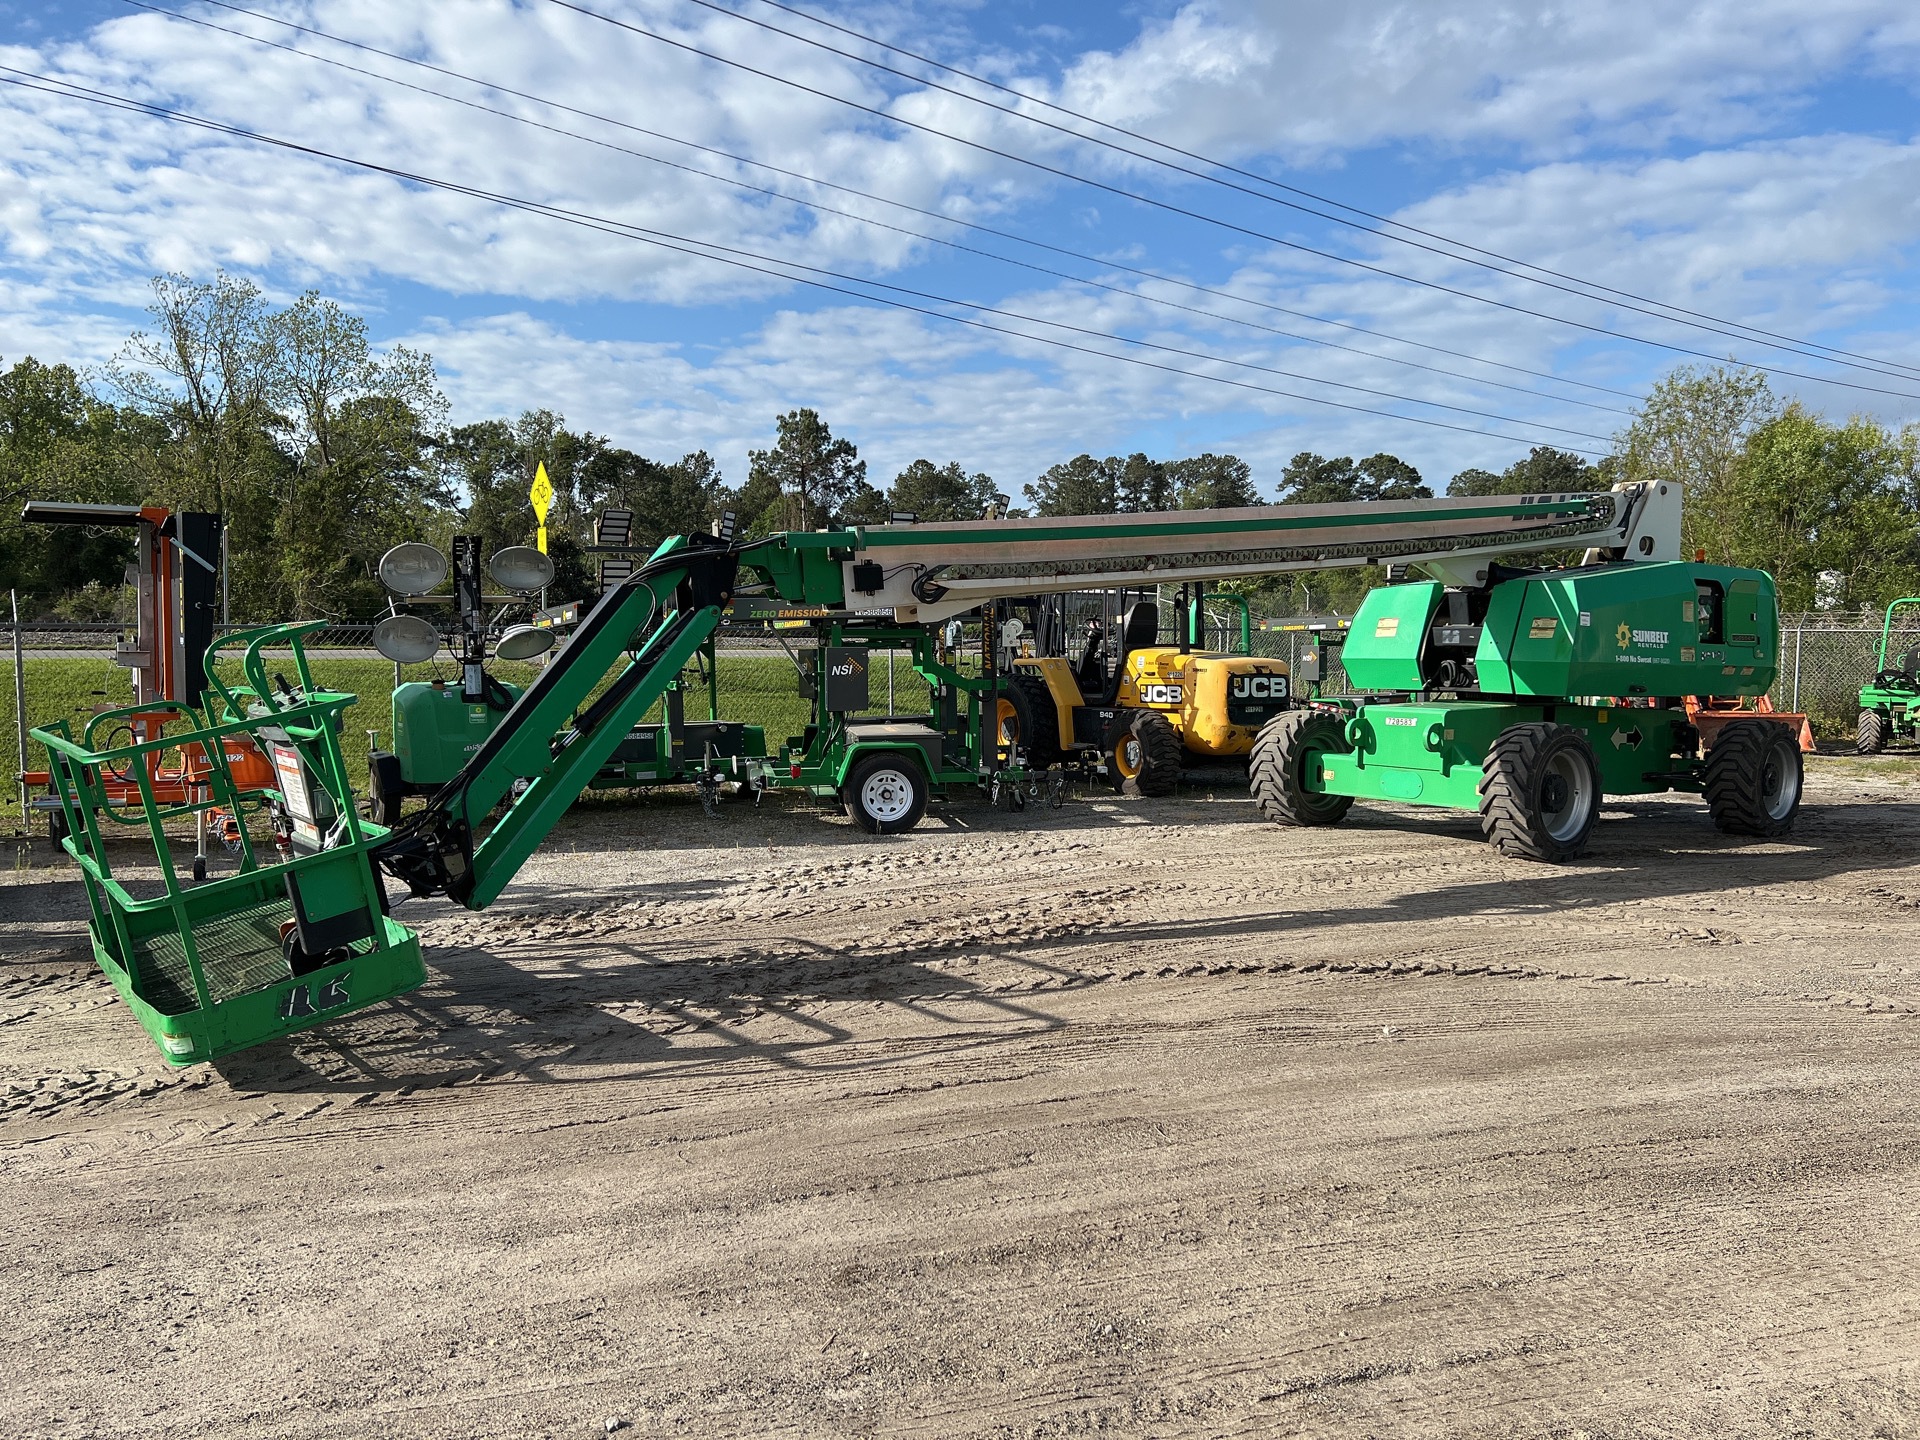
{"points": [[1258, 687], [1159, 694]]}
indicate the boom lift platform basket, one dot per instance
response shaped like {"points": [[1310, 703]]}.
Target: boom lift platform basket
{"points": [[299, 935]]}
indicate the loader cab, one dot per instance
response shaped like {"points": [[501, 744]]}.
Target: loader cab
{"points": [[1139, 632]]}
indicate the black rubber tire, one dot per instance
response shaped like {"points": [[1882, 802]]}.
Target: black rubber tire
{"points": [[386, 791], [1870, 735], [1755, 778], [1159, 755], [888, 771], [1533, 776], [56, 827], [1277, 768], [199, 868], [1036, 719]]}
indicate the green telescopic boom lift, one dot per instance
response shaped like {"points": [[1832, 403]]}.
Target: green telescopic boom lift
{"points": [[1443, 645]]}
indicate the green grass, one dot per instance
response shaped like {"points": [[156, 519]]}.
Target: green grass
{"points": [[1894, 766], [759, 690]]}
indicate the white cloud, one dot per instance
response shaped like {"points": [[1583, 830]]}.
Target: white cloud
{"points": [[1797, 234], [1318, 81]]}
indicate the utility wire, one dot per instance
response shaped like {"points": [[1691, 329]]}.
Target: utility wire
{"points": [[703, 250], [1214, 220], [815, 205], [1793, 344], [936, 215]]}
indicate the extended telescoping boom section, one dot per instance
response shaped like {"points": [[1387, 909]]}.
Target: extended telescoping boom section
{"points": [[924, 573], [643, 632]]}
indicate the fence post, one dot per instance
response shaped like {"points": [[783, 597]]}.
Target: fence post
{"points": [[20, 710], [1799, 635]]}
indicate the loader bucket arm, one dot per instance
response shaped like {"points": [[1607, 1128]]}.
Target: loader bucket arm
{"points": [[553, 738]]}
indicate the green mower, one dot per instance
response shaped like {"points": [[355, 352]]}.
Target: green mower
{"points": [[1887, 701]]}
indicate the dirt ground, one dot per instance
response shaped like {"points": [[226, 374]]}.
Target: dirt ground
{"points": [[1133, 1118]]}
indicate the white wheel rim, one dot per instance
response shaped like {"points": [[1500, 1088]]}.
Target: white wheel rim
{"points": [[1779, 780], [1566, 820], [886, 795]]}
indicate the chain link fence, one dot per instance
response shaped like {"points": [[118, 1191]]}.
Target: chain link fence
{"points": [[1824, 660]]}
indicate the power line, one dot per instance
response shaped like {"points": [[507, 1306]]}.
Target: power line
{"points": [[1213, 220], [703, 249], [900, 230], [1792, 344], [936, 215]]}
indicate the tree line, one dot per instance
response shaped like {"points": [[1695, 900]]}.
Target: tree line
{"points": [[321, 453]]}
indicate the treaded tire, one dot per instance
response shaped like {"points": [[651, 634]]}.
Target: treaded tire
{"points": [[1284, 750], [885, 793], [1145, 754], [1035, 715], [1870, 736], [1540, 792], [385, 789], [1754, 778]]}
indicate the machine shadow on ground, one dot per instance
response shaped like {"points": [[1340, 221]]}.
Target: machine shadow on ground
{"points": [[601, 1010]]}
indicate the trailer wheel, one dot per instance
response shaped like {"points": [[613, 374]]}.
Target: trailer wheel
{"points": [[1754, 778], [1540, 792], [1145, 754], [1028, 718], [385, 789], [1285, 752], [1870, 737], [885, 794], [57, 827]]}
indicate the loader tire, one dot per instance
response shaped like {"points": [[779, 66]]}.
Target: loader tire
{"points": [[1754, 778], [1029, 719], [1870, 736], [1540, 792], [1285, 752], [1145, 755]]}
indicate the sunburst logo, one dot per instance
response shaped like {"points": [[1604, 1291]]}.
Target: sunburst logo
{"points": [[1623, 637]]}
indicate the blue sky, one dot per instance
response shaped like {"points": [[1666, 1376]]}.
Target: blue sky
{"points": [[1756, 161]]}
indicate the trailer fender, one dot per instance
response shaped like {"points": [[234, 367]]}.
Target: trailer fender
{"points": [[923, 754]]}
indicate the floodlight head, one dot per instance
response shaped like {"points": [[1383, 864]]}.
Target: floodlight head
{"points": [[724, 527], [614, 528], [521, 569], [406, 639], [413, 568], [523, 642], [904, 517]]}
